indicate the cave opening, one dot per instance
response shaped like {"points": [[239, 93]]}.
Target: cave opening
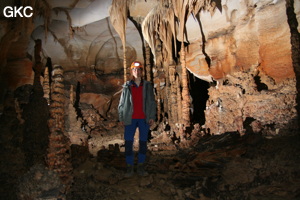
{"points": [[199, 95]]}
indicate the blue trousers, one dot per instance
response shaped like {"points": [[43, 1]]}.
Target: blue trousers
{"points": [[129, 138]]}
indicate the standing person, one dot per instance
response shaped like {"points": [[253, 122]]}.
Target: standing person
{"points": [[137, 108]]}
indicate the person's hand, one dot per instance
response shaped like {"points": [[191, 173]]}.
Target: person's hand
{"points": [[151, 121]]}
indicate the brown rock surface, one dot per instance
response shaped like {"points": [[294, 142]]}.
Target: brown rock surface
{"points": [[229, 105]]}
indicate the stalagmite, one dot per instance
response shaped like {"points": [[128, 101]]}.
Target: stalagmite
{"points": [[19, 112], [72, 97], [46, 86], [74, 122], [185, 90], [181, 9], [179, 99], [59, 144], [173, 95], [148, 61], [157, 69], [158, 100]]}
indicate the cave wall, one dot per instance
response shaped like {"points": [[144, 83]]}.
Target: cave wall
{"points": [[250, 60], [247, 104]]}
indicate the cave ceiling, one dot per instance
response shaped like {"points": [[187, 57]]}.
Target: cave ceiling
{"points": [[87, 38]]}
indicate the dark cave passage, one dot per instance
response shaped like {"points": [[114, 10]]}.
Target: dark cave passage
{"points": [[199, 94]]}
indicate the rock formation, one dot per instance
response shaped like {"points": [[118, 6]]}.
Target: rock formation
{"points": [[58, 152]]}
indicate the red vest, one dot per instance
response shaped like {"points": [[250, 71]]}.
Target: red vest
{"points": [[137, 100]]}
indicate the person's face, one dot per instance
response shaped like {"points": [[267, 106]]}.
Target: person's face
{"points": [[137, 72]]}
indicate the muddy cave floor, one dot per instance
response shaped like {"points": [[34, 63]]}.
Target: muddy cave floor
{"points": [[227, 166]]}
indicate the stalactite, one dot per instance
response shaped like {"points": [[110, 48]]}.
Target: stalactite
{"points": [[43, 8], [118, 15], [161, 24], [148, 30], [71, 29], [59, 144], [166, 36]]}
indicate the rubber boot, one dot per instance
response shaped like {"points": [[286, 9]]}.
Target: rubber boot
{"points": [[141, 170], [129, 171]]}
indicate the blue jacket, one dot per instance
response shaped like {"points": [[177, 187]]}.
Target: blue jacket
{"points": [[125, 107]]}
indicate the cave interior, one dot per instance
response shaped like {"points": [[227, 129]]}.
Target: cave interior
{"points": [[226, 77]]}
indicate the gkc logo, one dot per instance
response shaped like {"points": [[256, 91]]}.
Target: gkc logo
{"points": [[15, 11]]}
